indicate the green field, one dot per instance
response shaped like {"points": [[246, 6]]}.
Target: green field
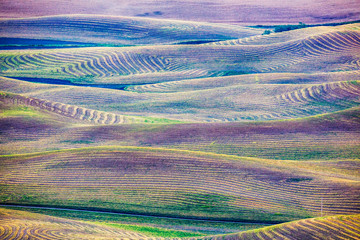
{"points": [[138, 128]]}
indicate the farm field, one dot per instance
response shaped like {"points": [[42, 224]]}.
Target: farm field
{"points": [[248, 12], [156, 128], [25, 224]]}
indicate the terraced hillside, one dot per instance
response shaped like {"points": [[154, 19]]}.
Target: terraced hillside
{"points": [[336, 227]]}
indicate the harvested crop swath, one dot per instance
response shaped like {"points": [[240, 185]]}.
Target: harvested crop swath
{"points": [[18, 225], [171, 182], [95, 63], [83, 63], [283, 50], [66, 110], [334, 227], [332, 42], [320, 98]]}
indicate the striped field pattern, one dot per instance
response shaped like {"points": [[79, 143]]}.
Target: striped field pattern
{"points": [[95, 63], [325, 92], [331, 50], [334, 227], [243, 102], [304, 45], [173, 182], [17, 225]]}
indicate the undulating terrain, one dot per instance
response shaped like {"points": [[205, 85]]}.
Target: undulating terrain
{"points": [[140, 128]]}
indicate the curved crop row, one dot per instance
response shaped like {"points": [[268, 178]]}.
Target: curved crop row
{"points": [[94, 63], [16, 225], [342, 94], [174, 182], [283, 50], [331, 42], [67, 110], [334, 227]]}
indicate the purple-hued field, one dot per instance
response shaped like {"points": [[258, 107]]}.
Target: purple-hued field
{"points": [[145, 120], [245, 12]]}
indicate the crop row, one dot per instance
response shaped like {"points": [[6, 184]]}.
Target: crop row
{"points": [[315, 42], [345, 94], [301, 49], [83, 64], [334, 227], [334, 41], [110, 62]]}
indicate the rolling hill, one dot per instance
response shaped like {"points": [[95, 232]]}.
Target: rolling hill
{"points": [[84, 29], [178, 183], [20, 224], [292, 74]]}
